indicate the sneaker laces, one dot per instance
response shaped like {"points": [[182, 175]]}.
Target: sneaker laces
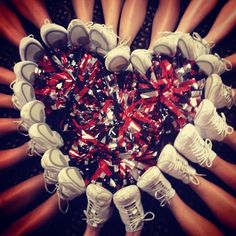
{"points": [[32, 148], [20, 126], [226, 63], [135, 218], [201, 149], [198, 38], [93, 213], [15, 102], [162, 193], [12, 83], [219, 124], [49, 179], [183, 169], [226, 92], [61, 198]]}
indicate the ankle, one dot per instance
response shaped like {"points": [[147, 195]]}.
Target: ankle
{"points": [[137, 233], [91, 231], [229, 138], [215, 164]]}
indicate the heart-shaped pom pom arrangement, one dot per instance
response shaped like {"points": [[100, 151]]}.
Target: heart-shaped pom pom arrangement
{"points": [[115, 124]]}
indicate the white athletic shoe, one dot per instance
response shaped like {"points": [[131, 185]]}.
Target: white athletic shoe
{"points": [[42, 139], [172, 163], [25, 70], [128, 202], [167, 43], [53, 35], [154, 183], [213, 64], [193, 47], [209, 123], [53, 161], [31, 49], [141, 60], [23, 93], [70, 186], [118, 59], [78, 32], [218, 93], [103, 37], [192, 146], [99, 205], [31, 113]]}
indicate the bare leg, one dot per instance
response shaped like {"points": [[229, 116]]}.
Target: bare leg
{"points": [[190, 221], [10, 26], [165, 18], [18, 197], [130, 24], [111, 12], [5, 101], [21, 8], [137, 233], [225, 171], [222, 204], [230, 140], [28, 8], [35, 219], [84, 9], [6, 76], [232, 59], [196, 11], [11, 157], [224, 23], [8, 125], [91, 231]]}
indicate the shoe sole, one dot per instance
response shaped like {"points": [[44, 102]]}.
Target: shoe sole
{"points": [[83, 38], [49, 131], [59, 43], [32, 111], [36, 57], [163, 49], [135, 60], [96, 37], [184, 49], [22, 92], [49, 157], [206, 67], [19, 71], [73, 180], [120, 62]]}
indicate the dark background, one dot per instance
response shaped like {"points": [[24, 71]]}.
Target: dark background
{"points": [[61, 12]]}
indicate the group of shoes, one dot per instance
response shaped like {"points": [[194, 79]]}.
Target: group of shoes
{"points": [[68, 181], [189, 143], [101, 39]]}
